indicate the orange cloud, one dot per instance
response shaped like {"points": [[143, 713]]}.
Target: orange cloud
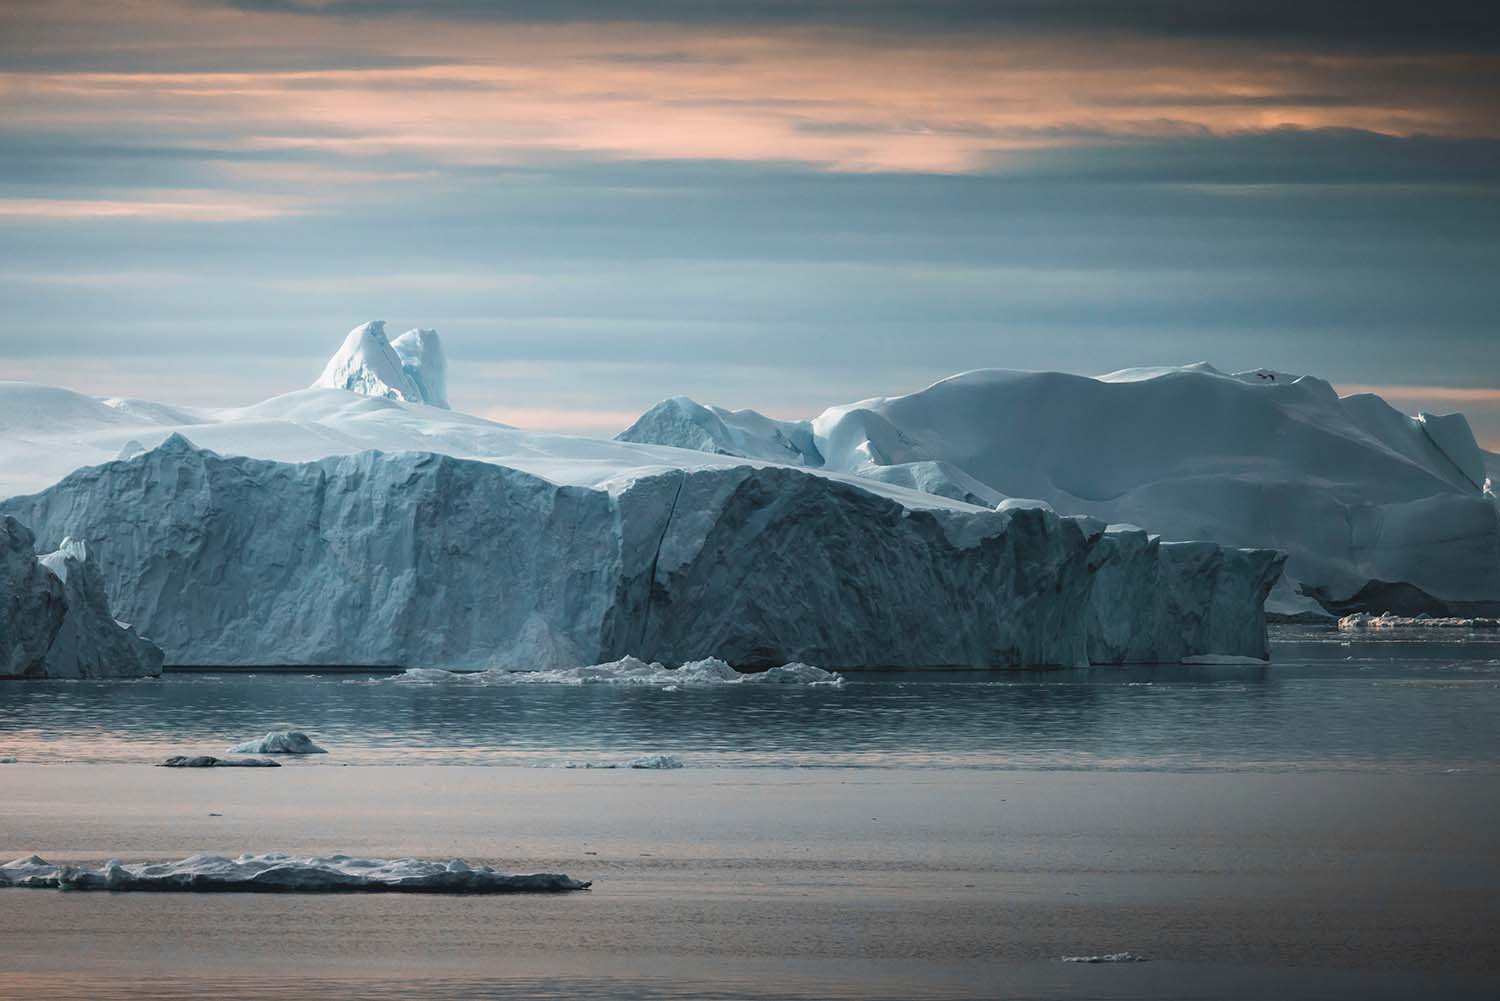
{"points": [[217, 207], [849, 100]]}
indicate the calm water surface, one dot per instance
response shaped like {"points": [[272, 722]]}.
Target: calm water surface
{"points": [[1325, 702]]}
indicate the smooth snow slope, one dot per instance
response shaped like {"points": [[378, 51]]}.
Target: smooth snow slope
{"points": [[1352, 489]]}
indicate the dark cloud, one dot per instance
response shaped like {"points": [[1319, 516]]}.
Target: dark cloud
{"points": [[1385, 25]]}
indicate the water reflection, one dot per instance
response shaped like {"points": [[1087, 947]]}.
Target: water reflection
{"points": [[1323, 703]]}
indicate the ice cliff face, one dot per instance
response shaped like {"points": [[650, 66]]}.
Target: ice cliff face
{"points": [[91, 643], [1350, 488], [31, 604], [1153, 602], [56, 622], [413, 369], [417, 559]]}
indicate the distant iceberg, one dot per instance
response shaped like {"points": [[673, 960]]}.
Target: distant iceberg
{"points": [[411, 369], [277, 873], [1352, 489]]}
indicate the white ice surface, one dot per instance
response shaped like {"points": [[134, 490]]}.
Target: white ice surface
{"points": [[277, 873], [425, 364]]}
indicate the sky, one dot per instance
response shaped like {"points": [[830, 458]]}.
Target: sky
{"points": [[776, 205]]}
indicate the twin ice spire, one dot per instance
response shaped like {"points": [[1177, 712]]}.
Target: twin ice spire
{"points": [[412, 368]]}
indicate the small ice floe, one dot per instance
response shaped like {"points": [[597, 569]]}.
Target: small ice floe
{"points": [[7, 761], [628, 671], [1364, 620], [278, 873], [209, 761], [279, 742], [645, 761], [1108, 957]]}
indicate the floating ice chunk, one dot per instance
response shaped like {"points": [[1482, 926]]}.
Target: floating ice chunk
{"points": [[625, 671], [279, 742], [209, 761], [1363, 620], [1108, 957], [7, 761], [277, 873]]}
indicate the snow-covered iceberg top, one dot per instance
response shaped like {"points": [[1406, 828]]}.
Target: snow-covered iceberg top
{"points": [[274, 872], [279, 742], [412, 369], [625, 671]]}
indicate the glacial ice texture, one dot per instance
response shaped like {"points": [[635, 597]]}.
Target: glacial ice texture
{"points": [[277, 873], [416, 559]]}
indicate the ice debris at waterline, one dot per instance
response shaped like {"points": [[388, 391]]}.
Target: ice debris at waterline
{"points": [[209, 761], [625, 671], [279, 742], [1108, 957], [1363, 620], [652, 762], [274, 872]]}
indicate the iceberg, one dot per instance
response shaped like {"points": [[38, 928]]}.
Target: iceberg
{"points": [[358, 523], [244, 561], [279, 742], [277, 873], [209, 761], [55, 621], [1350, 488], [367, 364]]}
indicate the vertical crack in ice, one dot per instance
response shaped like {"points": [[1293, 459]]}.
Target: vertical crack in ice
{"points": [[661, 539]]}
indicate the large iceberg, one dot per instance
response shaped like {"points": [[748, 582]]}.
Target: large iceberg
{"points": [[55, 619], [274, 872], [1350, 488], [417, 559]]}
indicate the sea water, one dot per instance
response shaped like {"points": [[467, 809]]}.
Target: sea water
{"points": [[1326, 701]]}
